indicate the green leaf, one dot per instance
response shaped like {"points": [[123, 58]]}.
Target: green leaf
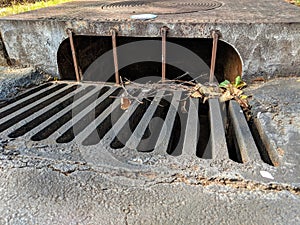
{"points": [[238, 80], [224, 84]]}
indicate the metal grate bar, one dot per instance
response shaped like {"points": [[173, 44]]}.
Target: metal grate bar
{"points": [[24, 94], [44, 110], [165, 133], [245, 141], [217, 132], [139, 131], [32, 106], [113, 132], [76, 102], [92, 126], [23, 100], [81, 115], [192, 129]]}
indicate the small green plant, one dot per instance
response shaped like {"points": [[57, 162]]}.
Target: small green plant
{"points": [[19, 8], [233, 91]]}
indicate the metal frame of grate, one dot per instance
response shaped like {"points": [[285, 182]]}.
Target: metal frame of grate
{"points": [[90, 114]]}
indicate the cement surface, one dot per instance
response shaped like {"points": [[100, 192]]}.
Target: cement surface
{"points": [[276, 111], [59, 184], [38, 193]]}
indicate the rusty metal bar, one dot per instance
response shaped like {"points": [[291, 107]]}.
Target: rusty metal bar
{"points": [[164, 31], [115, 55], [70, 34], [215, 37]]}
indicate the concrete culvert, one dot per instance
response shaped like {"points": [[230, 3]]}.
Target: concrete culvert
{"points": [[141, 57]]}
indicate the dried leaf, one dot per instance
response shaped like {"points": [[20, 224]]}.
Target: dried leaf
{"points": [[226, 96], [205, 99], [243, 102], [197, 86], [125, 103], [127, 82], [196, 94], [236, 92]]}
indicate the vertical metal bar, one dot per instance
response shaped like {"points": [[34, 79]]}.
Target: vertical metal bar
{"points": [[164, 52], [70, 34], [217, 130], [213, 56], [115, 54], [192, 131], [243, 136]]}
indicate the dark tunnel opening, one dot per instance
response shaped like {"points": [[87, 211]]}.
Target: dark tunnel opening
{"points": [[141, 57]]}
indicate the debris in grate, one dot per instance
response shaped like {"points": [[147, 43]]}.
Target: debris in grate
{"points": [[233, 91], [225, 92], [168, 122]]}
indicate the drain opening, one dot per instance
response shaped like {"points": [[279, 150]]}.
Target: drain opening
{"points": [[203, 146], [260, 143], [40, 119], [123, 136], [152, 132], [233, 148], [54, 126], [244, 141], [175, 144], [70, 134], [107, 124], [36, 108], [146, 60]]}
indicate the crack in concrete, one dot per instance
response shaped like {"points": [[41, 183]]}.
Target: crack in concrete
{"points": [[234, 183], [126, 211], [151, 178]]}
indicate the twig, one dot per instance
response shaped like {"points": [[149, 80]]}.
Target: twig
{"points": [[127, 94]]}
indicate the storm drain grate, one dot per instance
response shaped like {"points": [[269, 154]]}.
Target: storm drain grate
{"points": [[86, 114], [162, 7]]}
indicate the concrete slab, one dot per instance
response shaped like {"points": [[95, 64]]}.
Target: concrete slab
{"points": [[276, 108], [37, 191], [264, 33]]}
